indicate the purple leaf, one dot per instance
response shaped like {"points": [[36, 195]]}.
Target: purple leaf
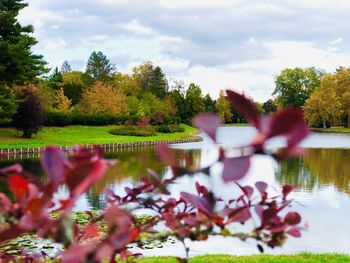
{"points": [[244, 106], [207, 123], [54, 163], [292, 218], [235, 168], [198, 202], [284, 121], [261, 186]]}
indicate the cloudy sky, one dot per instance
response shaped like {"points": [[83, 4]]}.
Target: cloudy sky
{"points": [[239, 44]]}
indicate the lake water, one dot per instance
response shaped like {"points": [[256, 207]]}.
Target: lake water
{"points": [[321, 178]]}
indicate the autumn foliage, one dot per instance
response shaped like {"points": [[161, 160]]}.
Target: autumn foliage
{"points": [[189, 216]]}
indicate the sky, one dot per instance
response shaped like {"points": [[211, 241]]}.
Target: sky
{"points": [[218, 44]]}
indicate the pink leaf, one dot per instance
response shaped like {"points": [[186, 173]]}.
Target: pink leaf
{"points": [[16, 168], [54, 163], [235, 168], [244, 106], [208, 123], [295, 232]]}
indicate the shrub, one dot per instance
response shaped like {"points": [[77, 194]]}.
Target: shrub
{"points": [[134, 131], [172, 128], [61, 119]]}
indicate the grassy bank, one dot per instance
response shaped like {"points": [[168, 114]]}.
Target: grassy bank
{"points": [[332, 129], [306, 257], [72, 135]]}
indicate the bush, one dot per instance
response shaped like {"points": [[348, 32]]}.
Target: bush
{"points": [[169, 128], [134, 131], [61, 119]]}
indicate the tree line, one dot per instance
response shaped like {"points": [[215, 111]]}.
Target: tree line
{"points": [[324, 97]]}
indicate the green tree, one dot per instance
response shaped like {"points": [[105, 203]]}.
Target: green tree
{"points": [[17, 62], [127, 84], [8, 107], [158, 83], [142, 75], [269, 106], [73, 85], [223, 108], [99, 67], [66, 68], [209, 104], [294, 86], [194, 101], [54, 81]]}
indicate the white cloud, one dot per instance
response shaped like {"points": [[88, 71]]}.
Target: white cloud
{"points": [[336, 41], [58, 43], [135, 27]]}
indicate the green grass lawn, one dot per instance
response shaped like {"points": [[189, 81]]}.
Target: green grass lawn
{"points": [[72, 135], [332, 129], [305, 257]]}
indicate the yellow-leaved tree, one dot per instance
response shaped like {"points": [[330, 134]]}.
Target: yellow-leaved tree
{"points": [[323, 106], [223, 108], [62, 103], [104, 99]]}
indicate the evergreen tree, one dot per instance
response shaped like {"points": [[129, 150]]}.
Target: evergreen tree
{"points": [[55, 79], [8, 107], [194, 101], [17, 62], [66, 68], [209, 104], [158, 84], [99, 67], [29, 117]]}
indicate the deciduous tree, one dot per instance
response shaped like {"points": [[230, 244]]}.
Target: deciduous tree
{"points": [[103, 99], [29, 116], [223, 108], [62, 104], [294, 86], [323, 106]]}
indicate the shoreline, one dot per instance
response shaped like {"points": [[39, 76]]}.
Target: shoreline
{"points": [[121, 145]]}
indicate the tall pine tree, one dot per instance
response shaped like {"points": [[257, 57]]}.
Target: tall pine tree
{"points": [[17, 62], [158, 84], [99, 67]]}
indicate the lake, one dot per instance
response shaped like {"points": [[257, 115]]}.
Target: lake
{"points": [[321, 178]]}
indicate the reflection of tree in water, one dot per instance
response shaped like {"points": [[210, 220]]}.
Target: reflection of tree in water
{"points": [[132, 164], [320, 167], [331, 166], [293, 171]]}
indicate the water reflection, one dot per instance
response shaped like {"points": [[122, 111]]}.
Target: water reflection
{"points": [[318, 168]]}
